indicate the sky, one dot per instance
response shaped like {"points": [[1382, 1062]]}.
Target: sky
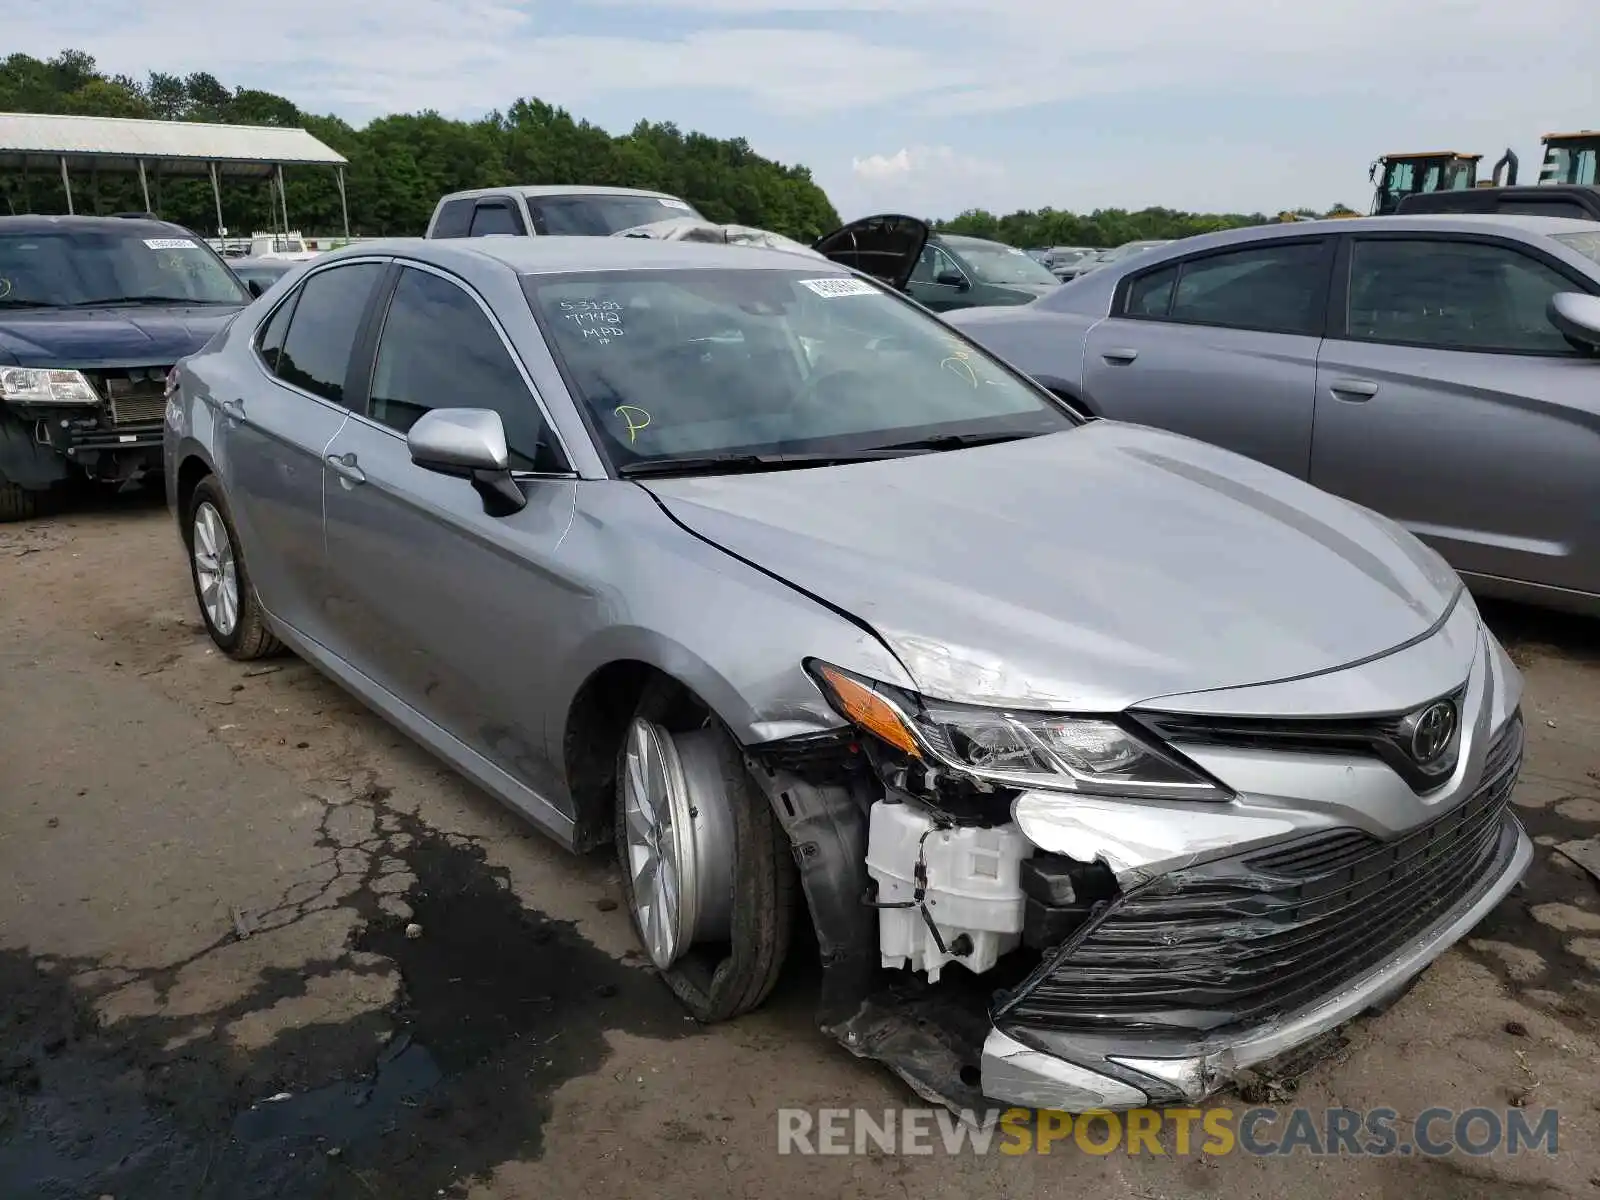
{"points": [[926, 106]]}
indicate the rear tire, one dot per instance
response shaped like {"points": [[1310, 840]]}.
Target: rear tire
{"points": [[17, 503], [736, 896], [222, 586]]}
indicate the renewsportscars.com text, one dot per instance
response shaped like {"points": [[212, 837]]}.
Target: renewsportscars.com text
{"points": [[1378, 1132]]}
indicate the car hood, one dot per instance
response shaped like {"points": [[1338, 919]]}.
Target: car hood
{"points": [[108, 337], [1087, 570]]}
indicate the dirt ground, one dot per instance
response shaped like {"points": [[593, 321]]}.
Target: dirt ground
{"points": [[207, 986]]}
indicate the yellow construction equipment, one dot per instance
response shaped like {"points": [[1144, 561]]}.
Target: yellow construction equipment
{"points": [[1571, 158], [1400, 175]]}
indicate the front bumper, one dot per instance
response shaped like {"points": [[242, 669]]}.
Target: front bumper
{"points": [[1244, 930], [1074, 1073]]}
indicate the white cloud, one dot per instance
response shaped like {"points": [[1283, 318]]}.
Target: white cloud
{"points": [[925, 179], [1236, 77]]}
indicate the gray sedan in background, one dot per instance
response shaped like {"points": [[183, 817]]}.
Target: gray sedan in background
{"points": [[757, 571], [1443, 370]]}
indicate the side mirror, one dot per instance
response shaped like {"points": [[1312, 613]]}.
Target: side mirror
{"points": [[953, 279], [1577, 316], [468, 443], [253, 286]]}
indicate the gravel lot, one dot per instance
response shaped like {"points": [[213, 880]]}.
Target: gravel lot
{"points": [[207, 870]]}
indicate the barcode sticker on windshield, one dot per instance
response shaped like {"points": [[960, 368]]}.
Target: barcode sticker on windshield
{"points": [[169, 244], [668, 202], [844, 286]]}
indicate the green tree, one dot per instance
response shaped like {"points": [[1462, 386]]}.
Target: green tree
{"points": [[399, 165]]}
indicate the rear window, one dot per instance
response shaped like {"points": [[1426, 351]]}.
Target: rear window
{"points": [[601, 216], [1586, 244]]}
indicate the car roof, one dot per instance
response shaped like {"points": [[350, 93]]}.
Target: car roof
{"points": [[60, 224], [961, 239], [558, 189], [561, 255], [1397, 223]]}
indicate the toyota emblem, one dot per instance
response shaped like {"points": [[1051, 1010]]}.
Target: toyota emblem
{"points": [[1432, 730]]}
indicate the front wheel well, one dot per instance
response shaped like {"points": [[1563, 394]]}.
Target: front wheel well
{"points": [[596, 723]]}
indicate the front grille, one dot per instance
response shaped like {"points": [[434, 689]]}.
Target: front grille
{"points": [[133, 397], [1384, 737], [1231, 942]]}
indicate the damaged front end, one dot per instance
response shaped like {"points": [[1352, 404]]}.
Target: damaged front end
{"points": [[101, 424], [1078, 913]]}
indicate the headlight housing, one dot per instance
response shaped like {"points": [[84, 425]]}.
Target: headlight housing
{"points": [[33, 385], [1026, 750]]}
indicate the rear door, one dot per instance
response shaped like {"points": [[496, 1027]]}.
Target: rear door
{"points": [[274, 433], [1221, 346], [1447, 400], [886, 246], [445, 607]]}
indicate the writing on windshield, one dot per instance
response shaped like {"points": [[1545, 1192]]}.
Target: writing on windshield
{"points": [[701, 362]]}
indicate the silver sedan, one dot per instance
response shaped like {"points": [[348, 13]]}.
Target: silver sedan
{"points": [[1442, 370], [1104, 763]]}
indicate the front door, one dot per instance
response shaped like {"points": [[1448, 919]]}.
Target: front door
{"points": [[445, 607], [1450, 403], [274, 433], [939, 283], [1221, 346]]}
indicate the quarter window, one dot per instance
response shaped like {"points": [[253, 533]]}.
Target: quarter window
{"points": [[1454, 295], [269, 341], [439, 350], [322, 329]]}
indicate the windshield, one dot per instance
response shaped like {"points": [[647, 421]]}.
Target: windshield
{"points": [[58, 268], [678, 364], [601, 216], [1586, 244], [994, 263]]}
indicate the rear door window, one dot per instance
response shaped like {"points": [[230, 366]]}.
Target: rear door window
{"points": [[1278, 287], [322, 330]]}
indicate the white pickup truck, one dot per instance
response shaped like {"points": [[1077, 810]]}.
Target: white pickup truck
{"points": [[559, 209]]}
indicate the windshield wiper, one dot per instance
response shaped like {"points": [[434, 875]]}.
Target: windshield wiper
{"points": [[8, 302], [713, 464], [959, 441], [163, 300]]}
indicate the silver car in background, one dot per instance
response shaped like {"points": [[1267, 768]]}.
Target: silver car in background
{"points": [[1090, 263], [1104, 763], [1444, 370]]}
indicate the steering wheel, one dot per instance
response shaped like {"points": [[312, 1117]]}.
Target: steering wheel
{"points": [[810, 394]]}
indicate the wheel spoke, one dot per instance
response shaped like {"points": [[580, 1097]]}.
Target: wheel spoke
{"points": [[644, 874]]}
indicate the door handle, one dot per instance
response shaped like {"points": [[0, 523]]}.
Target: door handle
{"points": [[1354, 390], [1119, 355], [233, 409], [344, 466]]}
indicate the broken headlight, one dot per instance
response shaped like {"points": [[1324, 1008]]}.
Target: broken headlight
{"points": [[1024, 750], [30, 385]]}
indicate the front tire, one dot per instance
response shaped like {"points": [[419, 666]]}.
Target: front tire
{"points": [[706, 869], [222, 586], [17, 503]]}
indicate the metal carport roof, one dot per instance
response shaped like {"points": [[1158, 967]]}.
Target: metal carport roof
{"points": [[186, 147], [173, 147]]}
